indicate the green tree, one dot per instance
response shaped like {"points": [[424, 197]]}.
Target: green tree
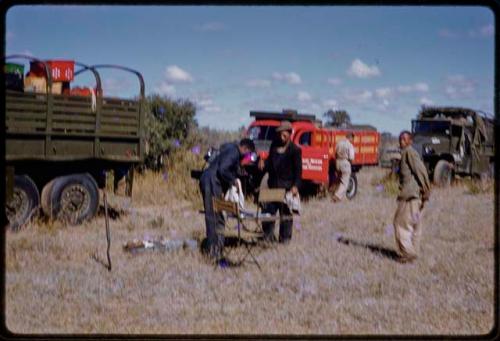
{"points": [[168, 126], [337, 118]]}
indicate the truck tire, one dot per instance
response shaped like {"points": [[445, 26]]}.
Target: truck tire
{"points": [[72, 198], [443, 173], [352, 187], [24, 204], [45, 198]]}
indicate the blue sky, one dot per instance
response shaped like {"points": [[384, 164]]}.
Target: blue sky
{"points": [[378, 63]]}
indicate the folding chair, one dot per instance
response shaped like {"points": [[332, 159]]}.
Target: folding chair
{"points": [[232, 210], [270, 195]]}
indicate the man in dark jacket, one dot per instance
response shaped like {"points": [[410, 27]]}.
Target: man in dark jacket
{"points": [[214, 182], [284, 166]]}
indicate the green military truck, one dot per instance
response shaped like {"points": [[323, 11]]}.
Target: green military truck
{"points": [[454, 140], [59, 147]]}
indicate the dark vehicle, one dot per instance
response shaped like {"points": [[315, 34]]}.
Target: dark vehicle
{"points": [[453, 140], [389, 157], [59, 146]]}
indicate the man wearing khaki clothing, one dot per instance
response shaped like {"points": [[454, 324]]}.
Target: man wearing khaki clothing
{"points": [[344, 155], [414, 192]]}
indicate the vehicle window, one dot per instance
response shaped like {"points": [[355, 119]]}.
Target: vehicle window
{"points": [[257, 133], [305, 139], [456, 130], [431, 127], [271, 133], [267, 133]]}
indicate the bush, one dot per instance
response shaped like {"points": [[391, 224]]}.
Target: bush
{"points": [[168, 125]]}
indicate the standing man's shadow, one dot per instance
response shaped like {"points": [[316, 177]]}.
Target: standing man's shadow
{"points": [[379, 250]]}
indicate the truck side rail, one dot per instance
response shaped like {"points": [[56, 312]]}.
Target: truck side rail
{"points": [[126, 107], [119, 67]]}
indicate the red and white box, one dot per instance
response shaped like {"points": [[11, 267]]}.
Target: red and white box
{"points": [[62, 70]]}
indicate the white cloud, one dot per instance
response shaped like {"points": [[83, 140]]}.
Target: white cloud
{"points": [[405, 88], [487, 30], [459, 86], [426, 101], [421, 87], [212, 108], [476, 32], [293, 78], [447, 33], [277, 76], [362, 70], [290, 77], [165, 89], [303, 96], [417, 87], [482, 32], [207, 105], [258, 83], [213, 26], [358, 96], [27, 53], [334, 81], [116, 86], [315, 107], [330, 103], [175, 74], [383, 92]]}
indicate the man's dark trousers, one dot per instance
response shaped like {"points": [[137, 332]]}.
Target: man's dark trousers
{"points": [[286, 224], [210, 187]]}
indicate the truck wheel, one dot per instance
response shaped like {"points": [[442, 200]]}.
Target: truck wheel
{"points": [[352, 187], [24, 203], [72, 198], [45, 198], [443, 173]]}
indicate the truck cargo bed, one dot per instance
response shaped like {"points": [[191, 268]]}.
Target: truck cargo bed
{"points": [[62, 127]]}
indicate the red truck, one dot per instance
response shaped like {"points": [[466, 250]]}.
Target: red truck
{"points": [[317, 144]]}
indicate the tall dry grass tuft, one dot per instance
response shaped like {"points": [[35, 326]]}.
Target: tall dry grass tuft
{"points": [[173, 183], [479, 186], [387, 183]]}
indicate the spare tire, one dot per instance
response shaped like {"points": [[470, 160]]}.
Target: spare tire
{"points": [[443, 173]]}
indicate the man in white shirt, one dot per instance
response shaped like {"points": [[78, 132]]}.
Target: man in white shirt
{"points": [[344, 155]]}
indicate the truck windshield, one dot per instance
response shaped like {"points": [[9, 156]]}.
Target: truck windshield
{"points": [[431, 127], [267, 133]]}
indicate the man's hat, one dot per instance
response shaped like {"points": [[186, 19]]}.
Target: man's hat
{"points": [[285, 125]]}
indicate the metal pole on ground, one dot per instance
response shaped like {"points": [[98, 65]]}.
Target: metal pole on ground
{"points": [[108, 233]]}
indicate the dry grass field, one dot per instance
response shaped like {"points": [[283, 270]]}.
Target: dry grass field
{"points": [[336, 277]]}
